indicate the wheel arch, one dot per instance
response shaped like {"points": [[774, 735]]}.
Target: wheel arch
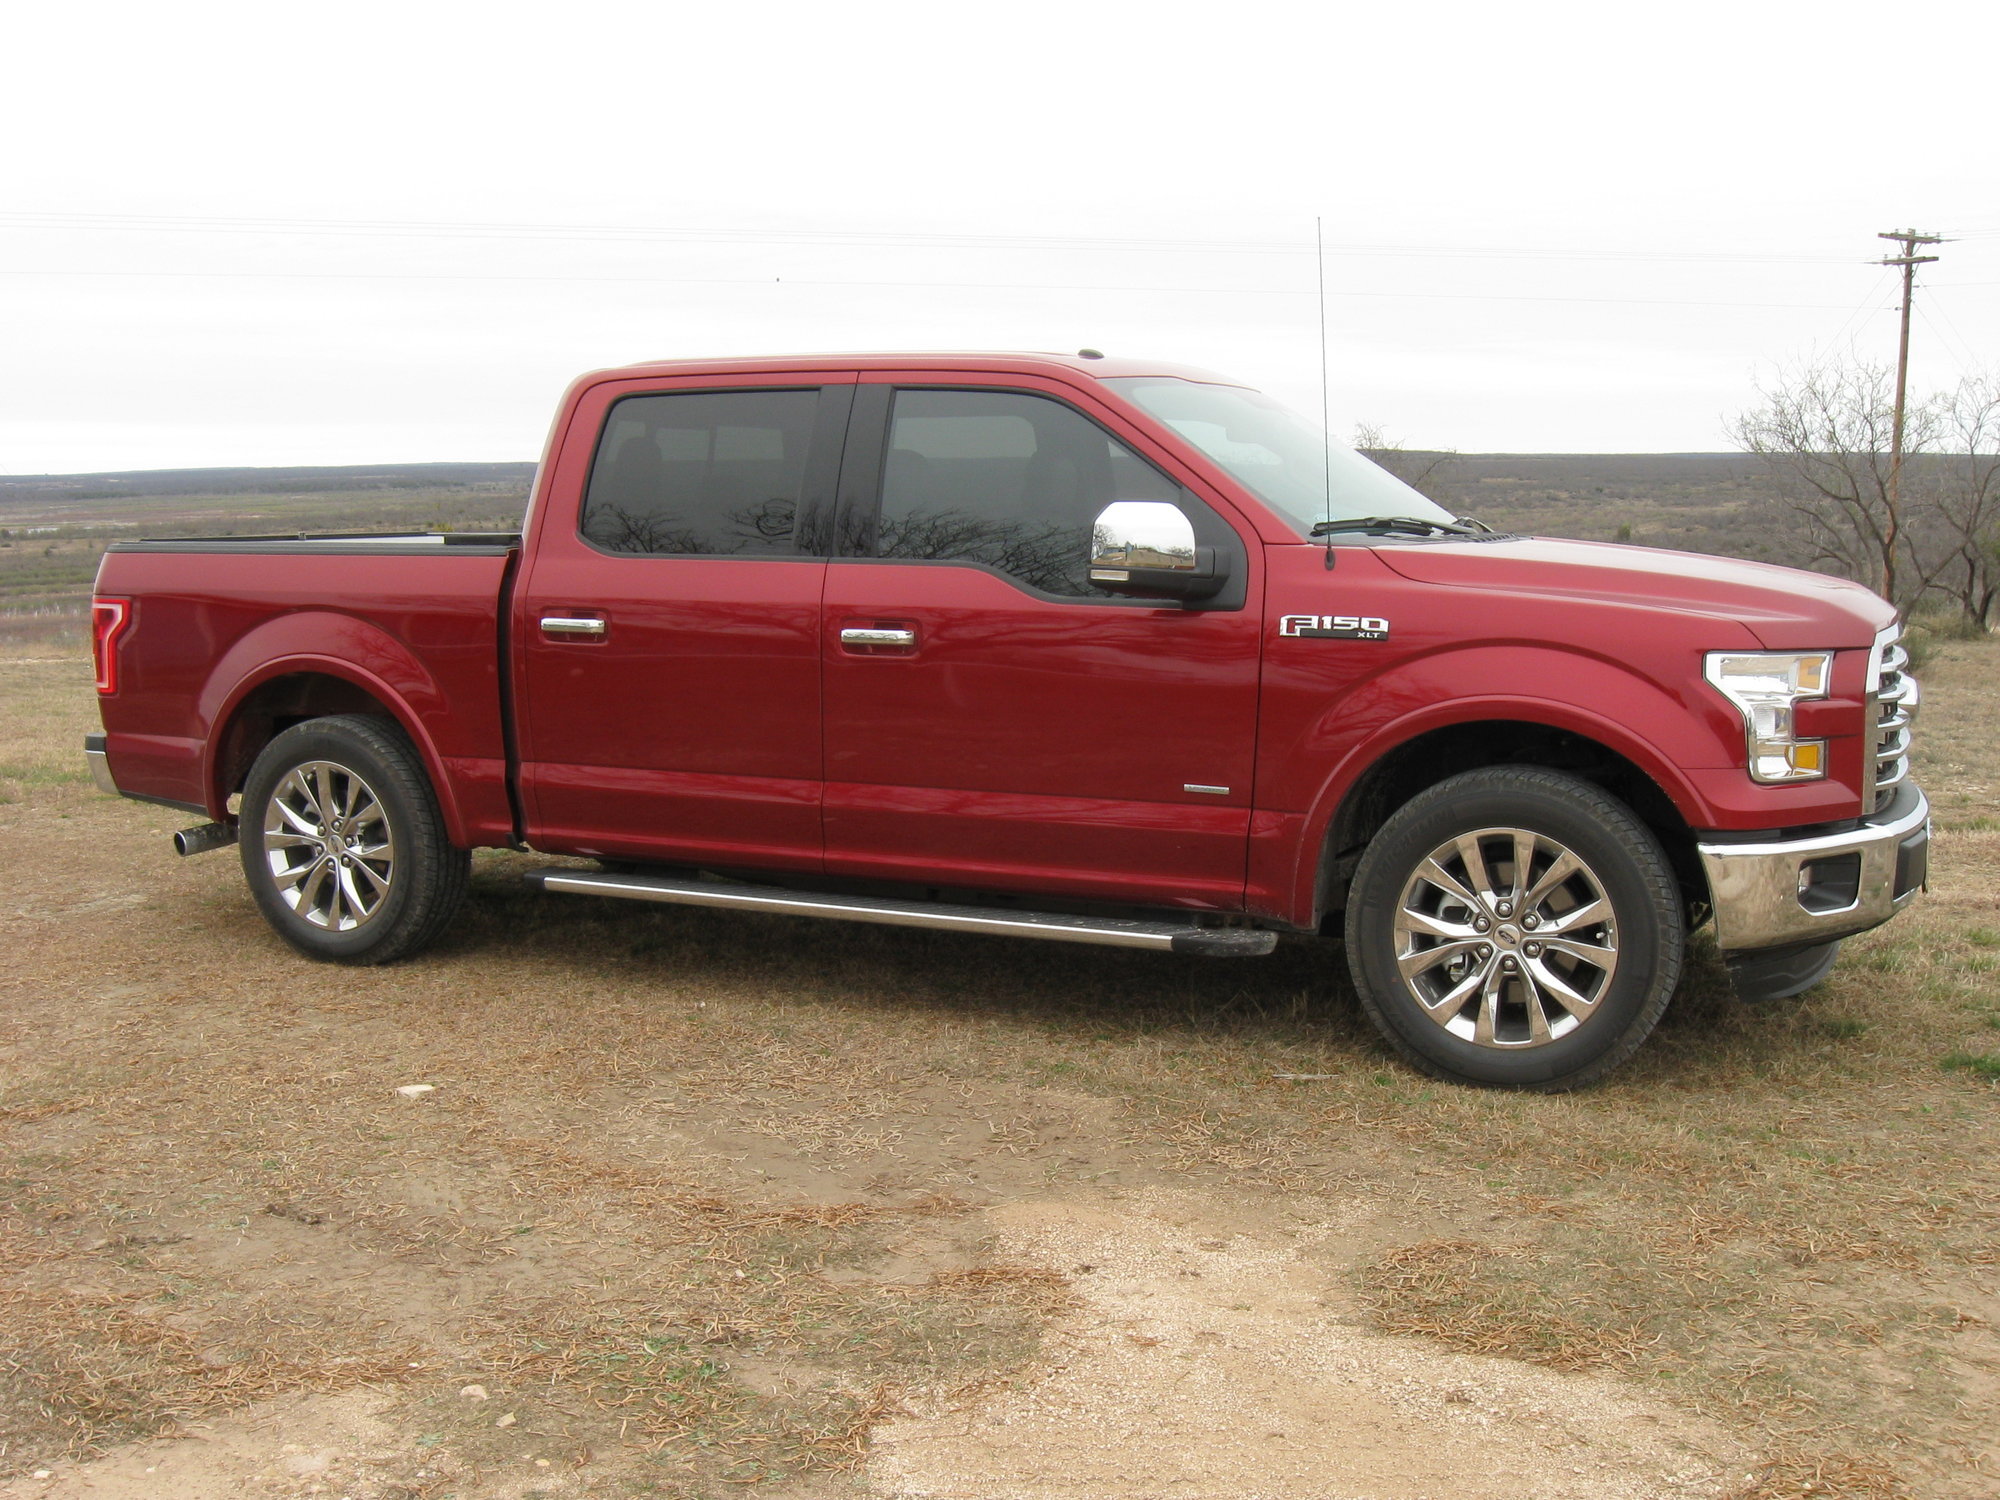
{"points": [[1423, 759], [292, 689]]}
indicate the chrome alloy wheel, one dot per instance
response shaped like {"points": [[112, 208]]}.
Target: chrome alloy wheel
{"points": [[331, 851], [1505, 938]]}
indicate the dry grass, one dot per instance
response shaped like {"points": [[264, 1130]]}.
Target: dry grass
{"points": [[696, 1193]]}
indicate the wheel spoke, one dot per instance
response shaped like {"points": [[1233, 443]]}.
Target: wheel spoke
{"points": [[1430, 926], [1531, 998], [380, 882], [291, 875], [351, 893], [296, 821], [1590, 953], [1475, 864], [1579, 1005], [1587, 915], [1444, 1010], [309, 891], [1566, 865], [1486, 1030], [1524, 861], [290, 841], [1424, 959], [1436, 874]]}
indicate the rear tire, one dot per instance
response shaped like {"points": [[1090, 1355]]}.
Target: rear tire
{"points": [[1515, 927], [343, 843]]}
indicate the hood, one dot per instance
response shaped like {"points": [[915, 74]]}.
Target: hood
{"points": [[1787, 609]]}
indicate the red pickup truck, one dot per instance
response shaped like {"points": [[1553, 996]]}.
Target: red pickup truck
{"points": [[1064, 647]]}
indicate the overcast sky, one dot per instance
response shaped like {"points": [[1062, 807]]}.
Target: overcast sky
{"points": [[267, 235]]}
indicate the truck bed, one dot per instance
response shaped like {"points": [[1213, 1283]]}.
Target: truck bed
{"points": [[285, 625]]}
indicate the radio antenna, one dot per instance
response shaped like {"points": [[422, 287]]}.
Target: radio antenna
{"points": [[1325, 416]]}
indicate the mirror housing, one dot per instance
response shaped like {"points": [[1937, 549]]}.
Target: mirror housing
{"points": [[1145, 549]]}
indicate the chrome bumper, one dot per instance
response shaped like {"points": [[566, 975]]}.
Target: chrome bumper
{"points": [[99, 763], [1813, 890]]}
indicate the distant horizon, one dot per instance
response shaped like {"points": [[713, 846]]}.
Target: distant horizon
{"points": [[530, 464]]}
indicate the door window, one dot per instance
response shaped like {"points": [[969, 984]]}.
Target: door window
{"points": [[1007, 480], [717, 472]]}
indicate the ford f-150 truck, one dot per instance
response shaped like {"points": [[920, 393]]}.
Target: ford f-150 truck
{"points": [[1063, 647]]}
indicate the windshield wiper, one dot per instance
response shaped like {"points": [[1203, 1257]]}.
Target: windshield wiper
{"points": [[1392, 525]]}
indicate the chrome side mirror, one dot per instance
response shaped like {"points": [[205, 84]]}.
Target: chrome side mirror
{"points": [[1146, 549]]}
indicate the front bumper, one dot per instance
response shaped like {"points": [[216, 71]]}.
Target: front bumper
{"points": [[1814, 890]]}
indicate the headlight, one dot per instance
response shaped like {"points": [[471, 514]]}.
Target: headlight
{"points": [[1765, 686]]}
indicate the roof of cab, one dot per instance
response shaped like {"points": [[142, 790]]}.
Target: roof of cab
{"points": [[987, 362]]}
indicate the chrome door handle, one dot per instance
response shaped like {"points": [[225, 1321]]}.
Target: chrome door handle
{"points": [[878, 638], [571, 625]]}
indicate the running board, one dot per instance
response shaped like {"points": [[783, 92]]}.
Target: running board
{"points": [[1116, 932]]}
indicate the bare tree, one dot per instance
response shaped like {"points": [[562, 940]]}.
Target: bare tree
{"points": [[1825, 431], [1963, 481], [1416, 467]]}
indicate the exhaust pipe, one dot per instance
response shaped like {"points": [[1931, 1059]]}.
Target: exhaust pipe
{"points": [[203, 838]]}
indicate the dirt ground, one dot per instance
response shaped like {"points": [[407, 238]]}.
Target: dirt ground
{"points": [[604, 1201]]}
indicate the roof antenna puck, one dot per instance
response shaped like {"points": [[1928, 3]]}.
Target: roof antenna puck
{"points": [[1090, 354]]}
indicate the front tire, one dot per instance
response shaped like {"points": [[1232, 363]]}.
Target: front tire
{"points": [[1515, 927], [343, 843]]}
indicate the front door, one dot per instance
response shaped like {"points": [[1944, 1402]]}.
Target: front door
{"points": [[667, 627], [992, 719]]}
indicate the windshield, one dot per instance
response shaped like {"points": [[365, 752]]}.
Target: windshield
{"points": [[1279, 456]]}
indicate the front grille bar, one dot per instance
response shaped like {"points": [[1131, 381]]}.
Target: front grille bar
{"points": [[1896, 696]]}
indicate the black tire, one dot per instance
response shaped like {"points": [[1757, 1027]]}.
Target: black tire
{"points": [[1782, 972], [378, 878], [1463, 1002]]}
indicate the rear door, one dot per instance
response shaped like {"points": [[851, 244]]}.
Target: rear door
{"points": [[667, 625], [992, 719]]}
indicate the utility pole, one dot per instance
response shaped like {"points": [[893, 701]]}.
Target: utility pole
{"points": [[1909, 260]]}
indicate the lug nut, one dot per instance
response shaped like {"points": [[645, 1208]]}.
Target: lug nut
{"points": [[1533, 950], [1485, 950], [1505, 908], [1481, 924], [1507, 963], [1530, 920]]}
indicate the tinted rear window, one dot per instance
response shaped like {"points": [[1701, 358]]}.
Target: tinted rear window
{"points": [[717, 472]]}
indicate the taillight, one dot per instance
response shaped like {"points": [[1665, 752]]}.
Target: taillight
{"points": [[108, 619]]}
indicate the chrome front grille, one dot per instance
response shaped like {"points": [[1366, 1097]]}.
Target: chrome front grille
{"points": [[1894, 693]]}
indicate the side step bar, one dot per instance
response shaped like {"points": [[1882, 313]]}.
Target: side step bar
{"points": [[1116, 932]]}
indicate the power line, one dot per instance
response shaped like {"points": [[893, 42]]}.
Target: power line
{"points": [[1967, 359], [1958, 357], [1854, 319], [612, 233], [1019, 286]]}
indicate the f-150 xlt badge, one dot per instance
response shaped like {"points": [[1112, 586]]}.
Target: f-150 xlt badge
{"points": [[1335, 627]]}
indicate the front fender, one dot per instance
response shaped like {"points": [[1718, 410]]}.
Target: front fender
{"points": [[1687, 748]]}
